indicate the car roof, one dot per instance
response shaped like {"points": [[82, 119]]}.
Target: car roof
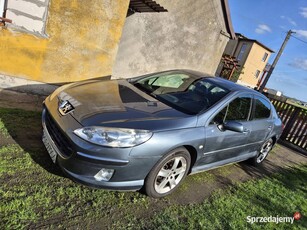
{"points": [[219, 81]]}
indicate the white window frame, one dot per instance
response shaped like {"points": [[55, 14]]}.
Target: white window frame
{"points": [[27, 16], [2, 5]]}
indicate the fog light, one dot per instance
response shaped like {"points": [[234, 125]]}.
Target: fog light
{"points": [[104, 174]]}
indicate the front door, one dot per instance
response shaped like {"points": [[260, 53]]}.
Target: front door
{"points": [[225, 145]]}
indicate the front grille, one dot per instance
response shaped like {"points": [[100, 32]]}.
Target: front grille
{"points": [[58, 136]]}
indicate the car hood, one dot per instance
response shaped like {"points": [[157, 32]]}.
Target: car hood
{"points": [[117, 103]]}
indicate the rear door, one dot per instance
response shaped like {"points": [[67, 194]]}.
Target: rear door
{"points": [[261, 122]]}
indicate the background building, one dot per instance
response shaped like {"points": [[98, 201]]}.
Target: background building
{"points": [[251, 56]]}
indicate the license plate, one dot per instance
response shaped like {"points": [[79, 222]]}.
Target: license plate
{"points": [[50, 150]]}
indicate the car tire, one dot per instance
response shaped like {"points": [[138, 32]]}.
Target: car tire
{"points": [[166, 176], [263, 152]]}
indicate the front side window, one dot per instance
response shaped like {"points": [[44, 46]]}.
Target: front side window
{"points": [[262, 108], [237, 110]]}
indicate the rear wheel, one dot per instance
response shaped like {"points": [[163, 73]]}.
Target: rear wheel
{"points": [[263, 152], [168, 173]]}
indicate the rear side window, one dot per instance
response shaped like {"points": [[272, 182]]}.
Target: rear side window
{"points": [[262, 109]]}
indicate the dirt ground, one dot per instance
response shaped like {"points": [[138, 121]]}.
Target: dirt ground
{"points": [[196, 187], [12, 99]]}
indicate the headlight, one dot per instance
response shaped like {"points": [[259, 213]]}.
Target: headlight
{"points": [[113, 137]]}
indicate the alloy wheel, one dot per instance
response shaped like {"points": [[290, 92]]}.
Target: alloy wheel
{"points": [[170, 175], [265, 149]]}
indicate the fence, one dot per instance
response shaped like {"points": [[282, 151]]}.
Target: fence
{"points": [[295, 120]]}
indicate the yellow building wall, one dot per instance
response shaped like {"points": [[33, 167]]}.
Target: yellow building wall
{"points": [[82, 42], [253, 63]]}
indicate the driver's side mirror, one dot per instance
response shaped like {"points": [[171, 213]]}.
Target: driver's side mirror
{"points": [[232, 126]]}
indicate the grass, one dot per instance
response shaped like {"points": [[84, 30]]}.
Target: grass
{"points": [[3, 130], [280, 195], [35, 194], [31, 196]]}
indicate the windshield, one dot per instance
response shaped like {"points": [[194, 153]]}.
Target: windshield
{"points": [[182, 91]]}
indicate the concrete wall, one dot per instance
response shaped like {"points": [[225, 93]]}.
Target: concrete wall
{"points": [[81, 43], [187, 36]]}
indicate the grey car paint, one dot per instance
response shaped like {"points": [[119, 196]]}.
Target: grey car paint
{"points": [[118, 103]]}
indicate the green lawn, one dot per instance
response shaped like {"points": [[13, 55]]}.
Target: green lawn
{"points": [[280, 195], [35, 194]]}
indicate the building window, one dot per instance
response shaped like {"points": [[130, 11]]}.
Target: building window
{"points": [[242, 50], [265, 56], [2, 4], [257, 73], [28, 16]]}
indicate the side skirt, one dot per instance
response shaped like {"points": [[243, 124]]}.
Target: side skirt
{"points": [[206, 167]]}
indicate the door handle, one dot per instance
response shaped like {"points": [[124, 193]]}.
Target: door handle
{"points": [[270, 127]]}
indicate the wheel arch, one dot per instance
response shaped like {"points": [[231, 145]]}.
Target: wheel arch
{"points": [[274, 140], [193, 154]]}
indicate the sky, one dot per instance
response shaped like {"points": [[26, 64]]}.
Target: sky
{"points": [[268, 22]]}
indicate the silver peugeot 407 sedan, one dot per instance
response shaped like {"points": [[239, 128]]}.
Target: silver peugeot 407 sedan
{"points": [[151, 131]]}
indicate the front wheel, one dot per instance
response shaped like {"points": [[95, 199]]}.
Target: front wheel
{"points": [[263, 152], [168, 173]]}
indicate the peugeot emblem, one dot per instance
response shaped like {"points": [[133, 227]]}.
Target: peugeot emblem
{"points": [[65, 107]]}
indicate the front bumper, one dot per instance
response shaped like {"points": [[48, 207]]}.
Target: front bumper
{"points": [[85, 161]]}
